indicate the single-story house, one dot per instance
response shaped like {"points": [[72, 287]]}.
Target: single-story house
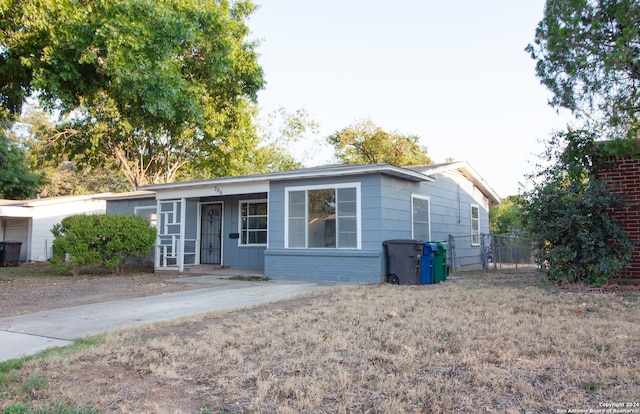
{"points": [[30, 221], [324, 223]]}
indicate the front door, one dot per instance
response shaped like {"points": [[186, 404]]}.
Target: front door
{"points": [[211, 234]]}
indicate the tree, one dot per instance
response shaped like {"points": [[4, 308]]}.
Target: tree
{"points": [[569, 213], [16, 181], [63, 177], [588, 55], [280, 132], [161, 87], [507, 217], [366, 143]]}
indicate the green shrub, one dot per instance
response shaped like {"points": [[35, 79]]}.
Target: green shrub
{"points": [[569, 214], [103, 239]]}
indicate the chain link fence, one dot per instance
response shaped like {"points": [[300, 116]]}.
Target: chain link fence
{"points": [[498, 252], [508, 253]]}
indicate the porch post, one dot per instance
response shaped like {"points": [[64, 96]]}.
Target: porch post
{"points": [[159, 224], [183, 219]]}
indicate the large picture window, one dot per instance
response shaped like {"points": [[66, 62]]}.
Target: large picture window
{"points": [[420, 218], [253, 222], [323, 217], [475, 225]]}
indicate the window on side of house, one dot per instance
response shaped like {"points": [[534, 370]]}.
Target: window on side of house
{"points": [[148, 213], [253, 222], [420, 218], [475, 225], [323, 217]]}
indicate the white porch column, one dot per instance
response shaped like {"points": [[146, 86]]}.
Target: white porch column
{"points": [[159, 223], [183, 231]]}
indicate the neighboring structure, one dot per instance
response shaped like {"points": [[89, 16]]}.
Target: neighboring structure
{"points": [[31, 221], [623, 175], [326, 223]]}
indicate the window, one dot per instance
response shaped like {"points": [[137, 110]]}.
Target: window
{"points": [[253, 222], [475, 225], [319, 217], [420, 218], [148, 213]]}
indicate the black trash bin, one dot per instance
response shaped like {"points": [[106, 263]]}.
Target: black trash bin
{"points": [[9, 253], [403, 257]]}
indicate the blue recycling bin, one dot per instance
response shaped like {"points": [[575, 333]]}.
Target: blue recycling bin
{"points": [[426, 263]]}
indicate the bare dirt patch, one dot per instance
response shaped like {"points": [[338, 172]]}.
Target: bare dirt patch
{"points": [[479, 343], [34, 288]]}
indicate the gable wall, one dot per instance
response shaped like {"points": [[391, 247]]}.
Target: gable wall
{"points": [[450, 198]]}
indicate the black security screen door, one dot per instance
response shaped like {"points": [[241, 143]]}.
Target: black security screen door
{"points": [[211, 232]]}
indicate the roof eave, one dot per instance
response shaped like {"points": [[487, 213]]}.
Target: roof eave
{"points": [[296, 175]]}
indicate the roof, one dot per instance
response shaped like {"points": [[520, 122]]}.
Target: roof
{"points": [[25, 208], [130, 195], [37, 202], [259, 182], [336, 170], [466, 170]]}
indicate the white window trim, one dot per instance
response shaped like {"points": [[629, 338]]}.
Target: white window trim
{"points": [[154, 220], [306, 188], [260, 200], [471, 223], [414, 196]]}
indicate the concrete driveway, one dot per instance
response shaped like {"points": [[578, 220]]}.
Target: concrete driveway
{"points": [[25, 335]]}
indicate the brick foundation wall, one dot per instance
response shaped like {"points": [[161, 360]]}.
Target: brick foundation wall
{"points": [[623, 175]]}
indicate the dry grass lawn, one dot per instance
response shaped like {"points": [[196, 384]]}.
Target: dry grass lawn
{"points": [[479, 343]]}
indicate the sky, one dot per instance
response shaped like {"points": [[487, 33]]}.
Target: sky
{"points": [[454, 73]]}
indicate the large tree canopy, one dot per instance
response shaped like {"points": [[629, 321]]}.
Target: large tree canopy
{"points": [[366, 143], [588, 55], [156, 85]]}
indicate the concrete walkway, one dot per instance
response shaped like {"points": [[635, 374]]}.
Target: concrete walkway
{"points": [[28, 334]]}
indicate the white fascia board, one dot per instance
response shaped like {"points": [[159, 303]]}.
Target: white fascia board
{"points": [[39, 202], [11, 211], [211, 189], [469, 172]]}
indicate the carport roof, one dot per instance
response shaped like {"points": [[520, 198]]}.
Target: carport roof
{"points": [[24, 208]]}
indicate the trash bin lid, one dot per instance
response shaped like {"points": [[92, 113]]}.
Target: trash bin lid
{"points": [[403, 241], [442, 245], [430, 247]]}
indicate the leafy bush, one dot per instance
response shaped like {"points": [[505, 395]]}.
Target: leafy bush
{"points": [[104, 239], [569, 214]]}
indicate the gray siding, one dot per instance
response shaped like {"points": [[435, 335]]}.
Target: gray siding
{"points": [[342, 265], [327, 264], [450, 198], [128, 206]]}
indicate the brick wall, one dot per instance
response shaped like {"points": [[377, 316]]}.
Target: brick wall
{"points": [[624, 175]]}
